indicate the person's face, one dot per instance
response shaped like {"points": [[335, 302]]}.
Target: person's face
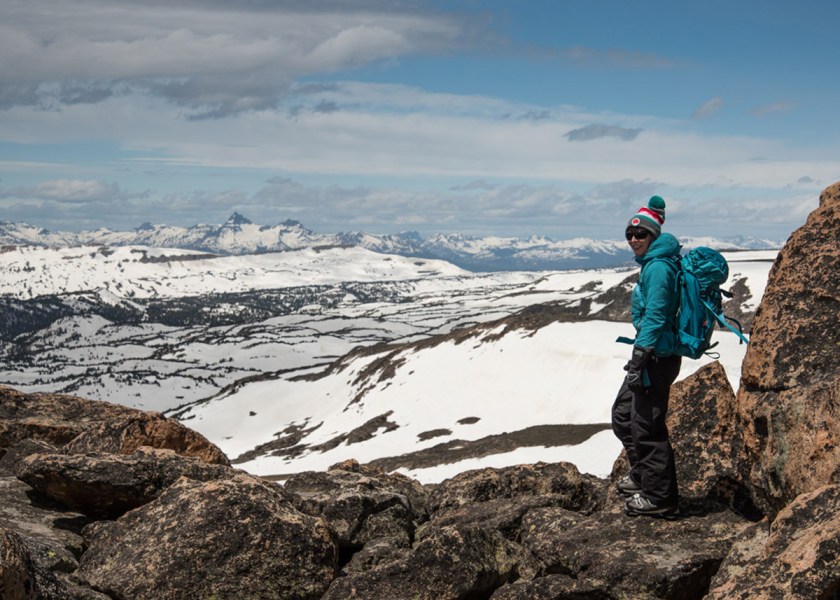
{"points": [[639, 240]]}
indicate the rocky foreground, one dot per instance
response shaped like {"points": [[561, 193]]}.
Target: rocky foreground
{"points": [[99, 501]]}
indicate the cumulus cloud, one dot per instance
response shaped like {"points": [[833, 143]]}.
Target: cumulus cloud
{"points": [[597, 130], [204, 56], [708, 108]]}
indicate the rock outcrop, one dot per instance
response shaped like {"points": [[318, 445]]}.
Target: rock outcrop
{"points": [[624, 557], [361, 504], [797, 557], [233, 538], [106, 486], [19, 576], [579, 492], [790, 381], [453, 563], [80, 426], [102, 502]]}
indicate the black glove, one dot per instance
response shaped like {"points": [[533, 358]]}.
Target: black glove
{"points": [[636, 368]]}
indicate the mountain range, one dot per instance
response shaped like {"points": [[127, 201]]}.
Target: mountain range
{"points": [[238, 235]]}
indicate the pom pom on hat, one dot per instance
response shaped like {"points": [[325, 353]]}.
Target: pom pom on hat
{"points": [[650, 217]]}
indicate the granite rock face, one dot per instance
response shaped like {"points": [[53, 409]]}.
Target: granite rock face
{"points": [[790, 382], [798, 556], [233, 538]]}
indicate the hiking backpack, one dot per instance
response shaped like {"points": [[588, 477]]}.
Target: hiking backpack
{"points": [[700, 273], [699, 277]]}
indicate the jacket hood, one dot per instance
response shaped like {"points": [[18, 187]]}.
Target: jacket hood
{"points": [[665, 246]]}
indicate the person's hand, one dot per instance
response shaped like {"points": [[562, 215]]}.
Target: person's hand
{"points": [[635, 368]]}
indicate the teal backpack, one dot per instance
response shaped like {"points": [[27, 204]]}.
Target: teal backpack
{"points": [[700, 273]]}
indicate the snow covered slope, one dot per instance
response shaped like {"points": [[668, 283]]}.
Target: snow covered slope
{"points": [[140, 272], [294, 361]]}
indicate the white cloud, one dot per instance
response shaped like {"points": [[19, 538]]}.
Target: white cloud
{"points": [[203, 57], [359, 130], [708, 108]]}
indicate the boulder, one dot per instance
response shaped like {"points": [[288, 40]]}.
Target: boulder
{"points": [[503, 515], [81, 426], [796, 557], [569, 487], [12, 457], [703, 433], [361, 503], [51, 532], [21, 578], [453, 563], [790, 380], [105, 486], [233, 538], [376, 552], [628, 557], [17, 577]]}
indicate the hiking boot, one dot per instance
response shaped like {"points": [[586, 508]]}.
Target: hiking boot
{"points": [[638, 505], [627, 487]]}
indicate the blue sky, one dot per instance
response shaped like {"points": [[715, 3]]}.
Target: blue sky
{"points": [[556, 118]]}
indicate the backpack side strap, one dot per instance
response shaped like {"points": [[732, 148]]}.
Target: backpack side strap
{"points": [[724, 320]]}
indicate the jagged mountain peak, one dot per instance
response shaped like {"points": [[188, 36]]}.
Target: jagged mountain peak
{"points": [[238, 219]]}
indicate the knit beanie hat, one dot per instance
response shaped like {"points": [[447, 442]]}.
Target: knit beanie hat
{"points": [[650, 217]]}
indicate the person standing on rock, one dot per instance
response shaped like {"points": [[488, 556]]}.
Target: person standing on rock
{"points": [[638, 414]]}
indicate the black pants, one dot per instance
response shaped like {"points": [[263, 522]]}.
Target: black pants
{"points": [[638, 420]]}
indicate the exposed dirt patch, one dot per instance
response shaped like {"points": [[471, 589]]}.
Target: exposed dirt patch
{"points": [[616, 300], [287, 444], [360, 434], [458, 450], [427, 435]]}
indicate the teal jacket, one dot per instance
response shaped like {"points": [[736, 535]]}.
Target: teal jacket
{"points": [[654, 301]]}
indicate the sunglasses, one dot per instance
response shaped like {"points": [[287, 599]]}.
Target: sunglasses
{"points": [[639, 235]]}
